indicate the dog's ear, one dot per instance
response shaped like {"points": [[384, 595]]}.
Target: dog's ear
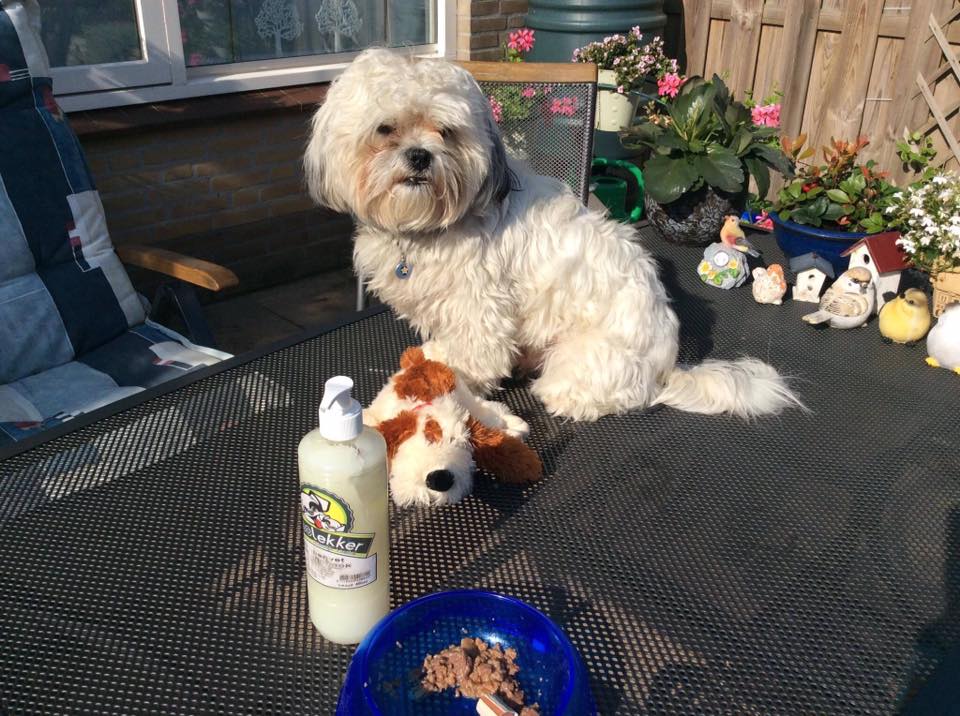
{"points": [[321, 184], [397, 429], [503, 456], [499, 180], [411, 357]]}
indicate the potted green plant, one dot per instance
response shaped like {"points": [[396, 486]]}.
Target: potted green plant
{"points": [[702, 148], [624, 66], [928, 216], [830, 206]]}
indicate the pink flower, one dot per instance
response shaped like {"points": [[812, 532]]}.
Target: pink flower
{"points": [[669, 85], [528, 92], [566, 106], [195, 59], [521, 40], [766, 115], [497, 109]]}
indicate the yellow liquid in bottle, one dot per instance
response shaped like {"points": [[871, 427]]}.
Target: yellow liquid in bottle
{"points": [[344, 498]]}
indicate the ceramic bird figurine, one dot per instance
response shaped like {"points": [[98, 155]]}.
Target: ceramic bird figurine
{"points": [[722, 267], [905, 319], [769, 284], [943, 341], [848, 302], [732, 235]]}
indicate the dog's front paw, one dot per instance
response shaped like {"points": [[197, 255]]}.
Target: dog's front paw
{"points": [[515, 425]]}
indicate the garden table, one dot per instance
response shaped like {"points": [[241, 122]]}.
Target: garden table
{"points": [[150, 559]]}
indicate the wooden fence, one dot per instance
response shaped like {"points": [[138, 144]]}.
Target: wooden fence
{"points": [[846, 67]]}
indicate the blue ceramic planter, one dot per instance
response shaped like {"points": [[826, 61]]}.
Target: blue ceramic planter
{"points": [[798, 239]]}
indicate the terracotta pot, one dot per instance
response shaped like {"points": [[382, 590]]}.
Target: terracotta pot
{"points": [[946, 290], [696, 217]]}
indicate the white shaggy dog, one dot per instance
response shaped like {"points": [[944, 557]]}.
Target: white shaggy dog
{"points": [[490, 262]]}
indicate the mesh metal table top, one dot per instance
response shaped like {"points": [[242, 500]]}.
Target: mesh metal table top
{"points": [[804, 564]]}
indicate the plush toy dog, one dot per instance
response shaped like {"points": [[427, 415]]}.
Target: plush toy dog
{"points": [[437, 431]]}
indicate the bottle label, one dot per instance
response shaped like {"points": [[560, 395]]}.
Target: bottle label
{"points": [[336, 556]]}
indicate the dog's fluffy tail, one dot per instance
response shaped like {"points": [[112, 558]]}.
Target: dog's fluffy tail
{"points": [[745, 388]]}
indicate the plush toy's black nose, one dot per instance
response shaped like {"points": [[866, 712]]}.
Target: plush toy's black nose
{"points": [[440, 480], [418, 157]]}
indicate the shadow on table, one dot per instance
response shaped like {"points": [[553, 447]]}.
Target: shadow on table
{"points": [[697, 318], [939, 692]]}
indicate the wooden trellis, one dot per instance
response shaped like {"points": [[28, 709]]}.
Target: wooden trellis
{"points": [[846, 67], [941, 116]]}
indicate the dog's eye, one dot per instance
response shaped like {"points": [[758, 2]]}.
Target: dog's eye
{"points": [[446, 132], [384, 129]]}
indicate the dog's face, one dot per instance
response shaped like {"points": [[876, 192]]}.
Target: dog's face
{"points": [[431, 457], [407, 146]]}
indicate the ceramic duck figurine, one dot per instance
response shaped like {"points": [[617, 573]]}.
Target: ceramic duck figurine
{"points": [[769, 284], [943, 341], [905, 319]]}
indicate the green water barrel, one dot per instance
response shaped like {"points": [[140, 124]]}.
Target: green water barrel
{"points": [[564, 25]]}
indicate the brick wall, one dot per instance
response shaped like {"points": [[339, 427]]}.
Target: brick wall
{"points": [[229, 191], [483, 26]]}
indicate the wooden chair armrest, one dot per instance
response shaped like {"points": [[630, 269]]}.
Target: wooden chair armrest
{"points": [[186, 268]]}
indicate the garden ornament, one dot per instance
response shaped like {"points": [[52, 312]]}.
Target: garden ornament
{"points": [[906, 319], [732, 235], [848, 303], [943, 341], [722, 266], [769, 284]]}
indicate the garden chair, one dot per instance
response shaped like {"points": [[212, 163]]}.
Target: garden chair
{"points": [[545, 111], [74, 334]]}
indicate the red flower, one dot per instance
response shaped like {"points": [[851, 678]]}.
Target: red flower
{"points": [[521, 40]]}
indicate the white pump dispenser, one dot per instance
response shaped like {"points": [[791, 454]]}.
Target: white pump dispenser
{"points": [[346, 531], [341, 417]]}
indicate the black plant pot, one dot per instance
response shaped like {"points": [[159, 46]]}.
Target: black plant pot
{"points": [[696, 217]]}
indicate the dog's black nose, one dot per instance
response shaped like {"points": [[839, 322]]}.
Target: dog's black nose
{"points": [[440, 480], [418, 157]]}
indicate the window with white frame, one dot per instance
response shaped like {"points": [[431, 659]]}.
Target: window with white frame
{"points": [[113, 52]]}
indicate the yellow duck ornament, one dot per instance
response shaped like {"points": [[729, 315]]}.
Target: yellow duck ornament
{"points": [[906, 319]]}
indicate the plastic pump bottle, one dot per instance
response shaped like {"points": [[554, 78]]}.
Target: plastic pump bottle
{"points": [[343, 498]]}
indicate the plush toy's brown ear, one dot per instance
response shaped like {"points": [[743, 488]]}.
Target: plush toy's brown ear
{"points": [[397, 429], [425, 381], [411, 357], [503, 456]]}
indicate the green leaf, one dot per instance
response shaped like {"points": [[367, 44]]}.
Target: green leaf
{"points": [[795, 189], [688, 109], [761, 173], [819, 206], [736, 114], [668, 179], [741, 141], [722, 97], [775, 158], [834, 212], [721, 169], [838, 196], [646, 134], [854, 185], [874, 223]]}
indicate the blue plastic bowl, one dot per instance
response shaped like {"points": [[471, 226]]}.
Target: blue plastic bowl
{"points": [[383, 671], [798, 239]]}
